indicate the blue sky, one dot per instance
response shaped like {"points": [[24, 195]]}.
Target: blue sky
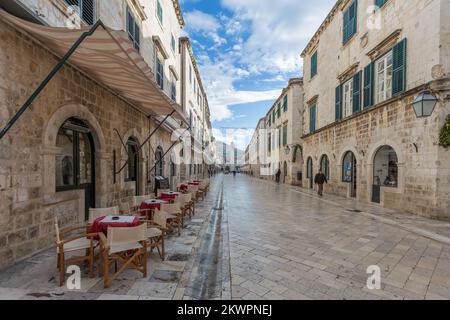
{"points": [[247, 50]]}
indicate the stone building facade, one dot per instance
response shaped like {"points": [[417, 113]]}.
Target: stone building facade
{"points": [[256, 151], [64, 154], [363, 69], [284, 126]]}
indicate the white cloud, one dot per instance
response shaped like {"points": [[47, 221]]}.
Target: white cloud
{"points": [[262, 37], [279, 30], [218, 77], [198, 21]]}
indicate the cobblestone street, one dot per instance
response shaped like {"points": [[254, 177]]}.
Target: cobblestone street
{"points": [[254, 239]]}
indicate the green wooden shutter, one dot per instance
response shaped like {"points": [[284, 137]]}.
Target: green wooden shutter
{"points": [[357, 92], [380, 3], [314, 64], [338, 103], [345, 30], [285, 135], [285, 103], [312, 119], [368, 86], [350, 21], [399, 68]]}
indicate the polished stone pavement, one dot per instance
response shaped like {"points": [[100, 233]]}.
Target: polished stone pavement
{"points": [[254, 239], [287, 243]]}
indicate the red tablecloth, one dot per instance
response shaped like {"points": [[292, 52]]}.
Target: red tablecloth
{"points": [[184, 187], [149, 205], [194, 183], [169, 195], [99, 226]]}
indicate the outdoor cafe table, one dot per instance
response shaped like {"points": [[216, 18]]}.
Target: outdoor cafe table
{"points": [[169, 195], [151, 205], [194, 183], [103, 223], [184, 187]]}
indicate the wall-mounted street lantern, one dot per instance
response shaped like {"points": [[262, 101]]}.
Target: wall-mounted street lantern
{"points": [[424, 104]]}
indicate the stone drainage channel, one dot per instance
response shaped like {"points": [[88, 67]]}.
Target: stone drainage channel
{"points": [[210, 278]]}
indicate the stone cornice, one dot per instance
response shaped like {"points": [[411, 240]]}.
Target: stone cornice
{"points": [[348, 72], [138, 8], [176, 6], [283, 92], [384, 45], [187, 42], [314, 40]]}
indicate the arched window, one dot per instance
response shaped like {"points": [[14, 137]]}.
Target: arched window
{"points": [[385, 167], [132, 147], [75, 160], [348, 167], [309, 169], [159, 162], [325, 166]]}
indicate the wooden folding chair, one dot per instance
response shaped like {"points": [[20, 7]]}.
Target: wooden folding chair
{"points": [[84, 242], [187, 205], [156, 232], [174, 215], [127, 245]]}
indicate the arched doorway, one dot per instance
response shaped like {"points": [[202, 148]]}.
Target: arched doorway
{"points": [[325, 166], [310, 172], [385, 171], [75, 161], [349, 172]]}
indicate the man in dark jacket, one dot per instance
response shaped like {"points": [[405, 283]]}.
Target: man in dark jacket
{"points": [[320, 179], [277, 176]]}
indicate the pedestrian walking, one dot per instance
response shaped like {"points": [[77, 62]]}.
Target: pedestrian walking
{"points": [[277, 176], [320, 179]]}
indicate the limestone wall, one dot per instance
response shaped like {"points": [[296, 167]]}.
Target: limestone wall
{"points": [[28, 201], [417, 20], [423, 172]]}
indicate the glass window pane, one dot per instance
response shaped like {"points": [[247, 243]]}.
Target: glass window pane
{"points": [[85, 159], [64, 160]]}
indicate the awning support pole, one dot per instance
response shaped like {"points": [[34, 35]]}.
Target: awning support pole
{"points": [[44, 83], [143, 143]]}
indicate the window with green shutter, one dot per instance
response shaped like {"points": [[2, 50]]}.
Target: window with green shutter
{"points": [[269, 142], [399, 68], [134, 32], [285, 103], [338, 104], [357, 92], [314, 64], [312, 118], [368, 86], [285, 135], [273, 114], [159, 11], [279, 110], [350, 21]]}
